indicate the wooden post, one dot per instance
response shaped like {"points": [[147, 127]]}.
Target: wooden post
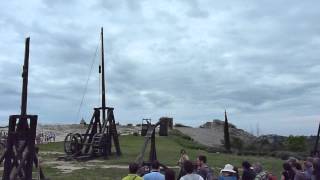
{"points": [[315, 150]]}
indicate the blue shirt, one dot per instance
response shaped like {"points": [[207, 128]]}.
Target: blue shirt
{"points": [[227, 178], [154, 175]]}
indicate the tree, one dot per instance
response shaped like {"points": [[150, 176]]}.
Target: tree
{"points": [[262, 144], [296, 143], [226, 133]]}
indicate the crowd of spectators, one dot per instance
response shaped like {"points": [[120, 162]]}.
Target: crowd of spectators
{"points": [[45, 137], [293, 169]]}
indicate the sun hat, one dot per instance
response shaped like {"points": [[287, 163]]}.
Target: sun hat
{"points": [[228, 168]]}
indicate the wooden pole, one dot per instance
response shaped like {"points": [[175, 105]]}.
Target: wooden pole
{"points": [[23, 124], [103, 79], [24, 97], [317, 141]]}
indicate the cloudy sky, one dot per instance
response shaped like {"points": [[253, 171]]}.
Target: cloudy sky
{"points": [[189, 59]]}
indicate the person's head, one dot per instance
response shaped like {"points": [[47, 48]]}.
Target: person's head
{"points": [[155, 165], [307, 165], [201, 160], [292, 160], [169, 174], [228, 170], [297, 166], [133, 168], [257, 168], [183, 152], [286, 166], [309, 159], [188, 166], [246, 165]]}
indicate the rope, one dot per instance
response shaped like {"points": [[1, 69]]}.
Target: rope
{"points": [[86, 85]]}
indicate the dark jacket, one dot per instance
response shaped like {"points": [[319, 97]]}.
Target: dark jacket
{"points": [[205, 172], [248, 174], [288, 175]]}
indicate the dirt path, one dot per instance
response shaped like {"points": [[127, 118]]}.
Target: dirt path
{"points": [[70, 166]]}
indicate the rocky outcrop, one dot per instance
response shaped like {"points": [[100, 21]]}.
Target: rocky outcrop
{"points": [[212, 133]]}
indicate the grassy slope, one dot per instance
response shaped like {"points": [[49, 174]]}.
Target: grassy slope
{"points": [[168, 149]]}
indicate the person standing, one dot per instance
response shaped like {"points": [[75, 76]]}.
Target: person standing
{"points": [[288, 173], [183, 157], [203, 169], [248, 173], [299, 174], [133, 168], [316, 169], [155, 172], [169, 174], [308, 169], [188, 167], [227, 173]]}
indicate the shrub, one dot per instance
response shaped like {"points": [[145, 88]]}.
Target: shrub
{"points": [[135, 134], [296, 143], [180, 125], [237, 143]]}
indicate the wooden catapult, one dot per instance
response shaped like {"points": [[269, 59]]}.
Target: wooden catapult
{"points": [[20, 154], [101, 131]]}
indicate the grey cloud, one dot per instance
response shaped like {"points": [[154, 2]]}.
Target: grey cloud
{"points": [[186, 59]]}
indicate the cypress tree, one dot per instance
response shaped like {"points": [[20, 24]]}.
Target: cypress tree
{"points": [[226, 133]]}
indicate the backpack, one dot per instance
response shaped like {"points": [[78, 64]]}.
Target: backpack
{"points": [[262, 176]]}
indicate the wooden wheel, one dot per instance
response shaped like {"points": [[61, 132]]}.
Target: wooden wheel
{"points": [[72, 144]]}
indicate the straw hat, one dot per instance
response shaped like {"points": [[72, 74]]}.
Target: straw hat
{"points": [[228, 168]]}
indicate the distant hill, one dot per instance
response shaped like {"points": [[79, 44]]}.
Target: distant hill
{"points": [[212, 134]]}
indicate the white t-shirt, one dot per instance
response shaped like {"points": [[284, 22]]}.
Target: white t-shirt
{"points": [[191, 177]]}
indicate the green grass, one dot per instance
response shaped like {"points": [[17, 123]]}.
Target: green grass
{"points": [[168, 149], [86, 174], [56, 147]]}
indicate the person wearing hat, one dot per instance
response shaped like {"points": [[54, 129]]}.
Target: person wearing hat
{"points": [[227, 173]]}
